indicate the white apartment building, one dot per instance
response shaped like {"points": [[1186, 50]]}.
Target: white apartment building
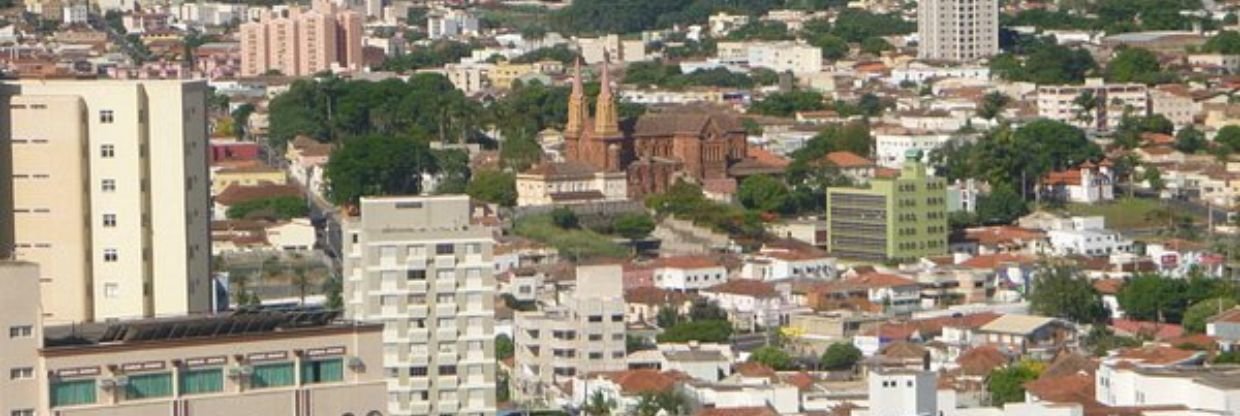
{"points": [[1058, 102], [957, 30], [1213, 390], [723, 23], [613, 48], [1176, 103], [900, 392], [688, 273], [584, 333], [443, 24], [109, 195], [892, 144], [1088, 242], [775, 264], [787, 56], [919, 72], [420, 266]]}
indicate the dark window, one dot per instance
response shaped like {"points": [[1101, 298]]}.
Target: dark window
{"points": [[416, 275], [417, 371], [444, 249], [596, 318], [447, 370], [617, 318]]}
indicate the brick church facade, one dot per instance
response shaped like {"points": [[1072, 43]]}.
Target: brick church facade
{"points": [[656, 149]]}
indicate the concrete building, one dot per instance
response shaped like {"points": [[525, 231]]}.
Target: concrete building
{"points": [[420, 266], [892, 143], [786, 56], [571, 182], [896, 218], [903, 393], [444, 24], [302, 42], [611, 48], [1060, 103], [584, 333], [957, 30], [270, 363], [1225, 327], [109, 194]]}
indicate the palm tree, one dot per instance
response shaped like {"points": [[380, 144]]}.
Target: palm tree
{"points": [[599, 405], [1087, 103], [301, 280]]}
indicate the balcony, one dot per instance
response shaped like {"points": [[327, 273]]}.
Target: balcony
{"points": [[445, 310], [420, 408], [445, 286], [475, 285], [389, 311], [445, 262], [419, 335], [418, 311], [444, 334], [447, 382], [449, 406], [473, 258]]}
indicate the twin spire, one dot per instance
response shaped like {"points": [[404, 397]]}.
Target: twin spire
{"points": [[606, 120]]}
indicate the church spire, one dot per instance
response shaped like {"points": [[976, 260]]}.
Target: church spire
{"points": [[606, 122], [577, 110]]}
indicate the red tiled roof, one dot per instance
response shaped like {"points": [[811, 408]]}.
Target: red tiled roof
{"points": [[1071, 177], [235, 194], [800, 379], [991, 261], [746, 287], [1159, 331], [1075, 388], [1232, 316], [1156, 354], [1003, 234], [980, 361], [767, 158], [645, 381], [847, 160], [933, 326], [753, 369], [1109, 286]]}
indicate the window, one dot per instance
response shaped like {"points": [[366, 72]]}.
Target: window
{"points": [[596, 356], [202, 381], [617, 337], [147, 386], [596, 318], [108, 185], [22, 412], [73, 392], [107, 151], [21, 373], [617, 318], [416, 275], [272, 375], [445, 298], [106, 116], [111, 290], [109, 255], [417, 371], [444, 249], [109, 220], [322, 371], [442, 275], [21, 331], [596, 337], [447, 370]]}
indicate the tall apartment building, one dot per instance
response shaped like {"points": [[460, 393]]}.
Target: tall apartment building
{"points": [[300, 42], [957, 30], [107, 190], [584, 333], [420, 266], [268, 363], [1110, 103], [896, 218], [453, 23]]}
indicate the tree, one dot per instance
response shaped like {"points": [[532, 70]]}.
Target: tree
{"points": [[1230, 357], [1225, 42], [1195, 316], [494, 186], [520, 152], [1101, 340], [705, 310], [1153, 177], [1062, 292], [784, 104], [301, 281], [992, 105], [1190, 140], [564, 217], [700, 331], [1151, 297], [840, 356], [763, 193], [1136, 65], [667, 317], [875, 45], [599, 404], [672, 403], [1002, 206], [377, 165], [1228, 138], [832, 46], [276, 208], [241, 119], [503, 347], [1086, 105], [633, 226], [772, 357], [1007, 385]]}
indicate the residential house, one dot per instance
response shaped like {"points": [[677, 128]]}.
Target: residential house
{"points": [[687, 274], [642, 304], [858, 169], [626, 387], [774, 262], [1226, 328], [246, 176], [998, 239], [872, 292], [1026, 334], [750, 304], [1087, 183], [707, 362], [237, 194], [306, 159], [812, 333]]}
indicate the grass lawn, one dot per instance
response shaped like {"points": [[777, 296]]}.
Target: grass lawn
{"points": [[1123, 213], [575, 243]]}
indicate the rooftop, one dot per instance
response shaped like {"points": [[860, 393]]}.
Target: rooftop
{"points": [[1017, 324], [151, 331]]}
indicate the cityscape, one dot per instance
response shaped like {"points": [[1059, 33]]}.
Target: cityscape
{"points": [[620, 207]]}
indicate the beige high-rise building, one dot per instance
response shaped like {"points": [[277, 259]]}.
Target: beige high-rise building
{"points": [[424, 269], [957, 30], [303, 42], [247, 363], [582, 334], [107, 190]]}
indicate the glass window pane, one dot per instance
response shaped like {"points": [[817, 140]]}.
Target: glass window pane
{"points": [[272, 375], [73, 392], [322, 371], [146, 386], [202, 381]]}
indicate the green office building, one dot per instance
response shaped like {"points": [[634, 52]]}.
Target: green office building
{"points": [[900, 218]]}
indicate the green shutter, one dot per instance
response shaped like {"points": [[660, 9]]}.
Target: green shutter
{"points": [[147, 386], [322, 371], [202, 381], [69, 393], [272, 375]]}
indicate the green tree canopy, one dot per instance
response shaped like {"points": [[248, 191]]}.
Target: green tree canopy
{"points": [[377, 165], [564, 217], [633, 225], [1136, 65], [1195, 316], [785, 104], [763, 193], [1228, 138], [700, 331], [1190, 140], [1044, 63], [503, 347], [1225, 42], [277, 208], [1002, 206], [840, 356], [875, 45], [494, 186], [1063, 292], [772, 357], [1007, 385]]}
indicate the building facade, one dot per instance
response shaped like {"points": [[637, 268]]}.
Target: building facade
{"points": [[303, 42], [896, 218], [957, 30], [109, 194], [582, 334], [271, 363], [1108, 103], [420, 266]]}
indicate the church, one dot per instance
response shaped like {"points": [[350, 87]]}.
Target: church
{"points": [[649, 153]]}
